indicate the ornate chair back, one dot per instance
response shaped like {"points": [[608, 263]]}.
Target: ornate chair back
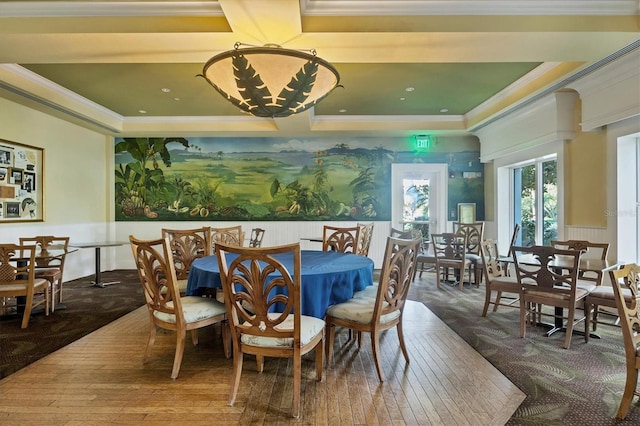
{"points": [[588, 250], [232, 235], [187, 245], [449, 250], [50, 268], [364, 241], [256, 237], [17, 278], [628, 277], [264, 309], [343, 240]]}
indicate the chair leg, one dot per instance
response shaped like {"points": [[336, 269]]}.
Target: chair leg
{"points": [[570, 317], [329, 335], [629, 391], [437, 276], [235, 377], [297, 377], [497, 302], [487, 301], [595, 317], [181, 336], [401, 339], [27, 312], [194, 336], [150, 342], [260, 363], [587, 315], [320, 359], [226, 338], [375, 348], [523, 316]]}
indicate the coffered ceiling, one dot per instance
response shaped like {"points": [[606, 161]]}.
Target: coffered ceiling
{"points": [[406, 67]]}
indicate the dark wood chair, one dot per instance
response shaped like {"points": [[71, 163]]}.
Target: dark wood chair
{"points": [[547, 281], [450, 252], [599, 296], [255, 240]]}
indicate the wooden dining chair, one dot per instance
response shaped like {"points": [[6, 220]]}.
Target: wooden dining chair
{"points": [[496, 279], [364, 238], [625, 281], [50, 268], [255, 240], [366, 314], [187, 245], [545, 281], [475, 233], [254, 281], [167, 309], [450, 252], [230, 235], [340, 239], [591, 280], [18, 279]]}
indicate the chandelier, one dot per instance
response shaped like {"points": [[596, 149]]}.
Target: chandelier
{"points": [[271, 81]]}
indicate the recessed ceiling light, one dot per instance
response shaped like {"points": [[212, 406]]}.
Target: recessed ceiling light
{"points": [[165, 90], [409, 89], [176, 99], [444, 110], [342, 110], [403, 99], [142, 111]]}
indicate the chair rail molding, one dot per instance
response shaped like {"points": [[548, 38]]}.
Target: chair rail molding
{"points": [[610, 94], [546, 120]]}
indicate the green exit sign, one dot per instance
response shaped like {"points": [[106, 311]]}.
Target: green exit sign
{"points": [[423, 142]]}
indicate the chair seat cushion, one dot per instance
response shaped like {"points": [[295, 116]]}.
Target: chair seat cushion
{"points": [[195, 308], [476, 259], [51, 274], [359, 310], [505, 283], [310, 328], [182, 287], [370, 292], [587, 286], [39, 284], [580, 293], [606, 293]]}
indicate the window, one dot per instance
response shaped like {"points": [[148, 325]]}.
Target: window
{"points": [[534, 200]]}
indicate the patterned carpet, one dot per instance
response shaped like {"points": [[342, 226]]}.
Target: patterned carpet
{"points": [[577, 386], [87, 309]]}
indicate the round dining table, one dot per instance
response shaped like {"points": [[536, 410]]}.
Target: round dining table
{"points": [[327, 277]]}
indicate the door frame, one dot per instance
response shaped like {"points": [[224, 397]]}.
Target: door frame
{"points": [[437, 174]]}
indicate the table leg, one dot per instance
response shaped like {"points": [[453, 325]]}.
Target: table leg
{"points": [[97, 282], [558, 325]]}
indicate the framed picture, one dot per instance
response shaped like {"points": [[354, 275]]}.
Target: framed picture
{"points": [[12, 209], [15, 177], [466, 212], [5, 157], [29, 182], [21, 182]]}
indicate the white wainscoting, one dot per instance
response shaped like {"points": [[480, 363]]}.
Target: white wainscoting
{"points": [[276, 233]]}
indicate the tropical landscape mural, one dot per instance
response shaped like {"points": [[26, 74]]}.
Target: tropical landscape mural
{"points": [[268, 179]]}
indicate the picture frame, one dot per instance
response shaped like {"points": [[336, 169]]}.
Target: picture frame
{"points": [[16, 177], [21, 182], [466, 212], [29, 182], [6, 157], [12, 209]]}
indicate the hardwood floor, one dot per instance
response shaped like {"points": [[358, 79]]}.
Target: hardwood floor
{"points": [[100, 379]]}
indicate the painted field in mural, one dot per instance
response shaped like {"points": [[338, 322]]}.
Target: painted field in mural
{"points": [[246, 179]]}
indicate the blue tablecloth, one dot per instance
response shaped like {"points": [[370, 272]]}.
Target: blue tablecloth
{"points": [[327, 277]]}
